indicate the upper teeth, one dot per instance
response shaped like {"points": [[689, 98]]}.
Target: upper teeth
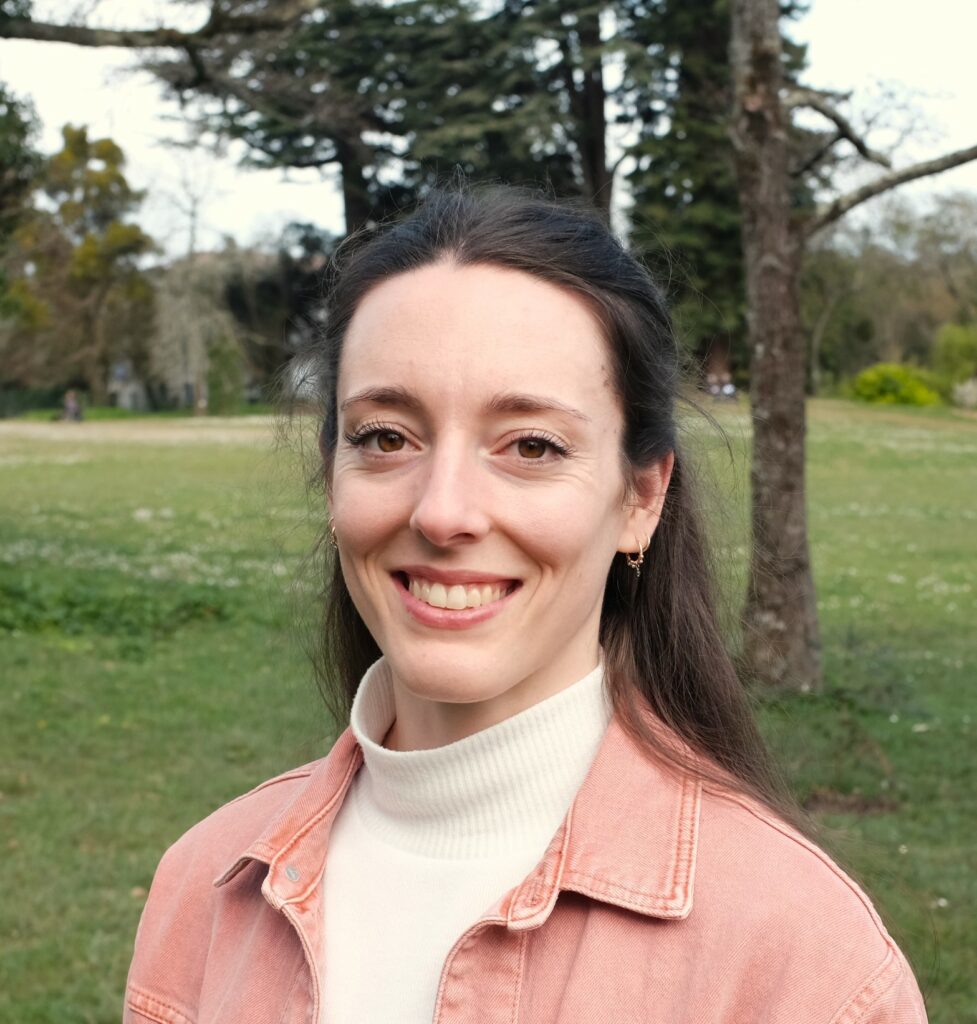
{"points": [[471, 595]]}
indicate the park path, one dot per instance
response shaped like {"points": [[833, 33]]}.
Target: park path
{"points": [[210, 430]]}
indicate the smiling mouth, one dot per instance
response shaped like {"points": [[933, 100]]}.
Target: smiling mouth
{"points": [[456, 596]]}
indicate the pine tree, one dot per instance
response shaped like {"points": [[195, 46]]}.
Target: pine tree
{"points": [[685, 215], [19, 160]]}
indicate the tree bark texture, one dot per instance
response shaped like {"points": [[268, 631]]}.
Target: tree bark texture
{"points": [[580, 49], [357, 206], [598, 182], [781, 646]]}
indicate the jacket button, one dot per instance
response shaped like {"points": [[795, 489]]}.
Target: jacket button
{"points": [[292, 873]]}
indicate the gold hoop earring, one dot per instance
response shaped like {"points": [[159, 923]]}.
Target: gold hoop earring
{"points": [[636, 561], [332, 534]]}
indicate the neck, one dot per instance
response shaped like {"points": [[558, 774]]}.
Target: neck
{"points": [[424, 724], [500, 791]]}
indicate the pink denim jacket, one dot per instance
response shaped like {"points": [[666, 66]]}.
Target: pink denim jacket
{"points": [[658, 901]]}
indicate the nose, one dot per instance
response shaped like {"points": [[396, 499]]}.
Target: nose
{"points": [[449, 509]]}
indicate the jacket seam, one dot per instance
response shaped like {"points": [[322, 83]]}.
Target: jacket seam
{"points": [[690, 802], [681, 871], [537, 884], [463, 941], [655, 906], [295, 981], [520, 974], [151, 1006], [870, 991], [818, 854], [260, 849], [312, 823], [297, 773], [603, 885]]}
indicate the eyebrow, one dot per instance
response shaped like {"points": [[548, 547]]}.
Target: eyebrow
{"points": [[392, 394], [506, 401], [511, 401]]}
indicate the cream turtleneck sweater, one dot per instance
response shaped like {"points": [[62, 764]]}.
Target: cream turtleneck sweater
{"points": [[427, 840]]}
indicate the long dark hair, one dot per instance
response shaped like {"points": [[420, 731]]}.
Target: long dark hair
{"points": [[663, 645]]}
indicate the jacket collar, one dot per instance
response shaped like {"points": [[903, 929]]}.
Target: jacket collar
{"points": [[293, 845], [629, 838]]}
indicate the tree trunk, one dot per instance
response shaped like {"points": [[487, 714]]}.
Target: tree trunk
{"points": [[95, 373], [357, 206], [592, 124], [781, 643], [95, 362]]}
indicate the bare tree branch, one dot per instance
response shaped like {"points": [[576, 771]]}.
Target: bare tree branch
{"points": [[816, 157], [829, 95], [82, 35], [828, 213], [820, 102], [147, 38]]}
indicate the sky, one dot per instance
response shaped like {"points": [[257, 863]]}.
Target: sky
{"points": [[902, 66]]}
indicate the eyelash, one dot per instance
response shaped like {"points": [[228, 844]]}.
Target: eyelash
{"points": [[561, 449], [360, 437]]}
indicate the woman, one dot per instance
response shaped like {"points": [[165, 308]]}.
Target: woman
{"points": [[552, 803]]}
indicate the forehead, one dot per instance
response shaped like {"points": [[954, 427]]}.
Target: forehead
{"points": [[477, 329]]}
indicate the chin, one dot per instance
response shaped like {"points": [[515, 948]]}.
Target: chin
{"points": [[461, 676]]}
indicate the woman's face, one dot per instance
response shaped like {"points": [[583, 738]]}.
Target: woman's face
{"points": [[477, 490]]}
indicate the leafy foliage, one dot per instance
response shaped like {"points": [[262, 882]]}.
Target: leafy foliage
{"points": [[894, 384], [399, 95], [889, 291], [80, 299], [103, 604], [686, 207], [265, 293], [955, 352], [19, 161], [686, 215], [15, 9]]}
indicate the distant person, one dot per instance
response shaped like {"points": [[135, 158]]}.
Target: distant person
{"points": [[552, 803], [72, 407]]}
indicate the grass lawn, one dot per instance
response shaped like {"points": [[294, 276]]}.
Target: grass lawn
{"points": [[98, 413], [151, 669]]}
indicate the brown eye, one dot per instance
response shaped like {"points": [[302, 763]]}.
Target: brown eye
{"points": [[531, 448], [389, 441]]}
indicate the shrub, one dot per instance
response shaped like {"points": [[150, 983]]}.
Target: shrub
{"points": [[894, 384], [955, 352]]}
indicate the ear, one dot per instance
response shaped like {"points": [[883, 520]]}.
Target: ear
{"points": [[645, 506]]}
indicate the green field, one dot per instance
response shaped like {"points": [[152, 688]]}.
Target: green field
{"points": [[151, 606]]}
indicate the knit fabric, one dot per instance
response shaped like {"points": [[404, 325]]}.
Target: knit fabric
{"points": [[428, 840]]}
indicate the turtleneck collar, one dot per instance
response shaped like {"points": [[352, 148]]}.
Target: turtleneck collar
{"points": [[498, 791]]}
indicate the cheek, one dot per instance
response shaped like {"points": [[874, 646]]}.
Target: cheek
{"points": [[360, 519], [577, 541]]}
